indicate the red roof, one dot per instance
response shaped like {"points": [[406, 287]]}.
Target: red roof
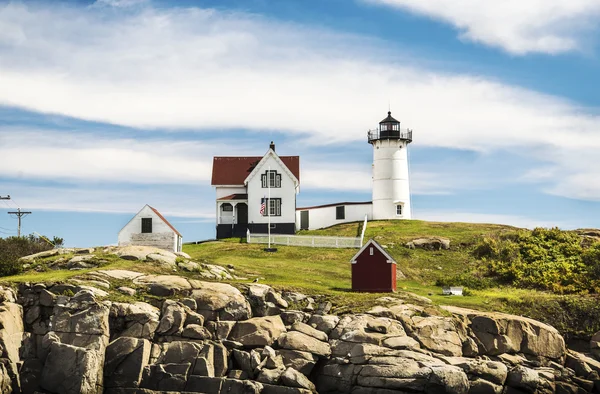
{"points": [[234, 197], [235, 170], [165, 220]]}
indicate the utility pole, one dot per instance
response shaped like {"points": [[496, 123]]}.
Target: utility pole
{"points": [[19, 214]]}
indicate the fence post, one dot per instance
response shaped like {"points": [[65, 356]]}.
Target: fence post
{"points": [[248, 235]]}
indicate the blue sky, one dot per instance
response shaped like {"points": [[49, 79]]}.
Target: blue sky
{"points": [[111, 104]]}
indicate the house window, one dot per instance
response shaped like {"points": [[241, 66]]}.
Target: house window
{"points": [[340, 212], [274, 207], [271, 179], [398, 210], [146, 225], [227, 207]]}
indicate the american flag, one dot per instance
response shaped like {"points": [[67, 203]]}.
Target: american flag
{"points": [[262, 206]]}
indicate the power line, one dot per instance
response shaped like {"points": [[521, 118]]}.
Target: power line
{"points": [[19, 214]]}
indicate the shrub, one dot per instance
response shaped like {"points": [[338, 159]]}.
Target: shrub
{"points": [[12, 248], [546, 259]]}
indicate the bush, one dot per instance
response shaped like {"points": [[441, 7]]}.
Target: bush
{"points": [[545, 259], [12, 248]]}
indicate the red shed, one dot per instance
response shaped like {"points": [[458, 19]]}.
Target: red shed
{"points": [[373, 269]]}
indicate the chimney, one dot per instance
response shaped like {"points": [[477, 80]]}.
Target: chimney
{"points": [[272, 146]]}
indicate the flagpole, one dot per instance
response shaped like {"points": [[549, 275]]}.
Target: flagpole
{"points": [[269, 206]]}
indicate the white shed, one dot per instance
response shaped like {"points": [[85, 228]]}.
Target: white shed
{"points": [[149, 228]]}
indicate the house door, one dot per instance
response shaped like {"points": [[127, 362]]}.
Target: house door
{"points": [[303, 220], [242, 213]]}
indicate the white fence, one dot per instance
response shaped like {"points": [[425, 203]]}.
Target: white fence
{"points": [[305, 240]]}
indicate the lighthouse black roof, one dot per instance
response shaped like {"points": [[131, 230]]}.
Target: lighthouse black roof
{"points": [[389, 119]]}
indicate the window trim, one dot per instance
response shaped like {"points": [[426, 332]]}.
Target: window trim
{"points": [[401, 206], [272, 205], [273, 177], [341, 216], [146, 225]]}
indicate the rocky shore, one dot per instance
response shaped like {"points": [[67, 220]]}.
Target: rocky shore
{"points": [[209, 337]]}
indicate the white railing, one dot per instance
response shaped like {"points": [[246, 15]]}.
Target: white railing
{"points": [[304, 240]]}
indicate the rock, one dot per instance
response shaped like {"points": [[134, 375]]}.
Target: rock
{"points": [[325, 323], [195, 331], [500, 333], [429, 243], [166, 377], [127, 290], [269, 376], [492, 371], [439, 334], [308, 330], [138, 320], [179, 352], [173, 318], [523, 378], [595, 345], [71, 370], [243, 360], [258, 331], [302, 362], [220, 330], [168, 260], [40, 255], [182, 254], [189, 266], [119, 274], [293, 378], [97, 292], [204, 362], [125, 362], [295, 340], [220, 300], [163, 285], [401, 342], [291, 316], [362, 322]]}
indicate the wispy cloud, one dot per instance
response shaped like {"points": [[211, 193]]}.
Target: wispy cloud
{"points": [[516, 26]]}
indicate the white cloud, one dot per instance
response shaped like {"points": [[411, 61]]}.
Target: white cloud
{"points": [[516, 26], [214, 72]]}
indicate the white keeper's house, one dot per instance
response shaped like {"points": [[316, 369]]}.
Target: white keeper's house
{"points": [[243, 182]]}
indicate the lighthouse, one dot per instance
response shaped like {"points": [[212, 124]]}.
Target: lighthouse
{"points": [[391, 191]]}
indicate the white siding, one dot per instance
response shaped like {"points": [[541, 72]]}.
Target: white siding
{"points": [[223, 191], [321, 217], [162, 235], [287, 193], [390, 179]]}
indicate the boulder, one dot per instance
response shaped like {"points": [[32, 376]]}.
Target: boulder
{"points": [[523, 378], [125, 359], [179, 352], [308, 330], [293, 378], [164, 259], [119, 274], [439, 334], [500, 333], [163, 285], [173, 318], [595, 345], [138, 320], [166, 377], [295, 340], [71, 370], [325, 323], [303, 362], [429, 243], [258, 331], [195, 331], [220, 300]]}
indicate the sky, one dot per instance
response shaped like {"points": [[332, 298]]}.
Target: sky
{"points": [[108, 105]]}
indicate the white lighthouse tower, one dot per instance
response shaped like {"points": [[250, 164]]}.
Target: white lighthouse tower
{"points": [[391, 192]]}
